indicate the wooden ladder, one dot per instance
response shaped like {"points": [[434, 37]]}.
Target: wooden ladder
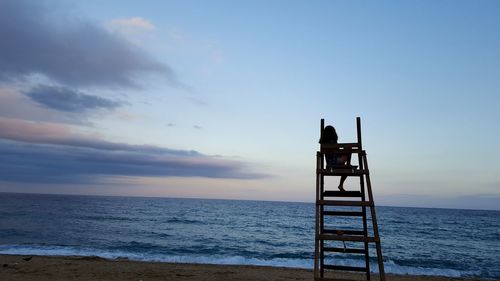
{"points": [[327, 239]]}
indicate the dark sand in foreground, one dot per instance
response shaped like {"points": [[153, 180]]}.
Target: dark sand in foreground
{"points": [[45, 268]]}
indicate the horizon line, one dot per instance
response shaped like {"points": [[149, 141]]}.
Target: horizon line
{"points": [[229, 199]]}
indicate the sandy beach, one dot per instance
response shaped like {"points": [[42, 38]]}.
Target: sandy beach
{"points": [[17, 268]]}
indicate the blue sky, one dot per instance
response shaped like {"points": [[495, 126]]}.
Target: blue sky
{"points": [[222, 99]]}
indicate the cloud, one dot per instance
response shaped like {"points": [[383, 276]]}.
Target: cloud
{"points": [[70, 52], [126, 116], [40, 152], [13, 104], [130, 24], [15, 129], [65, 99]]}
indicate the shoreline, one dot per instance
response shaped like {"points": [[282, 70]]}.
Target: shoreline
{"points": [[44, 268]]}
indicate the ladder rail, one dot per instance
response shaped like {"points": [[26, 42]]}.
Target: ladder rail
{"points": [[316, 249], [374, 222], [322, 220], [365, 223], [321, 208]]}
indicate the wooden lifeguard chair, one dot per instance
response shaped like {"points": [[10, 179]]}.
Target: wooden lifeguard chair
{"points": [[332, 204]]}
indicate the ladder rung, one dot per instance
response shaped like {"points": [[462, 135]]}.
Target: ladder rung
{"points": [[345, 214], [344, 172], [352, 238], [344, 203], [342, 232], [332, 279], [344, 250], [342, 167], [342, 193], [343, 267], [342, 145]]}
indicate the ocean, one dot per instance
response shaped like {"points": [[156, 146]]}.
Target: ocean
{"points": [[421, 241]]}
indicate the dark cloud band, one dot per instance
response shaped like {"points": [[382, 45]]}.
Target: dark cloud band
{"points": [[64, 99], [42, 163], [45, 152]]}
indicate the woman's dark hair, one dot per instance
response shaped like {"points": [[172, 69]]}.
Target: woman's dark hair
{"points": [[329, 135]]}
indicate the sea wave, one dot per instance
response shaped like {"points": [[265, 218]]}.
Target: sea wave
{"points": [[183, 221], [389, 265]]}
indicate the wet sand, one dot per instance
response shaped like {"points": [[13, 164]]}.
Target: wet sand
{"points": [[45, 268]]}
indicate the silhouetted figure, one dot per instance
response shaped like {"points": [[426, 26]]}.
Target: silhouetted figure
{"points": [[330, 136]]}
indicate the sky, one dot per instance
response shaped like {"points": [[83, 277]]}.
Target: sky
{"points": [[223, 99]]}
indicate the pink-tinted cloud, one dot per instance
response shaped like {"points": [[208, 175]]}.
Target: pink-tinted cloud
{"points": [[30, 131], [127, 24], [46, 152]]}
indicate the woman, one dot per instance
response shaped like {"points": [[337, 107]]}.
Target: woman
{"points": [[330, 136]]}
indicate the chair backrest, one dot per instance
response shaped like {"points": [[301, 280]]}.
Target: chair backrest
{"points": [[354, 147]]}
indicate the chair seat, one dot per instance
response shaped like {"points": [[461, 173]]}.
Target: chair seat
{"points": [[341, 167]]}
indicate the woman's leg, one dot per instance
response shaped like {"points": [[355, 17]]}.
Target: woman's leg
{"points": [[330, 161], [341, 184], [346, 160]]}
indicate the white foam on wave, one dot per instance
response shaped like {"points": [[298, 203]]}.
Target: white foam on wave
{"points": [[390, 266], [72, 251]]}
